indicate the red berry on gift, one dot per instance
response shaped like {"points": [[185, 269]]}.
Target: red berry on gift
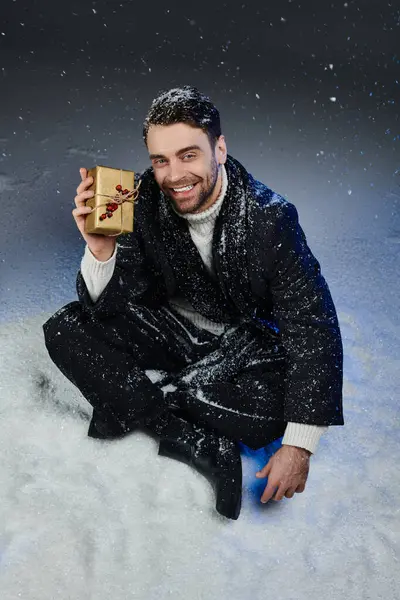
{"points": [[126, 191], [109, 214], [118, 187], [103, 216]]}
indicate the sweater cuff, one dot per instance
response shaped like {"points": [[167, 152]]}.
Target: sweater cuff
{"points": [[97, 268], [303, 435], [96, 274]]}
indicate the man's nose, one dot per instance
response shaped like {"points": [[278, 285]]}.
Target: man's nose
{"points": [[176, 172]]}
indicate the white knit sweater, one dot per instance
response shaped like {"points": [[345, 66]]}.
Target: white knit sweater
{"points": [[97, 274]]}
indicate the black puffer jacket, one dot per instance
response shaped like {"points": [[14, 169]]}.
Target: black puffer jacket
{"points": [[265, 273]]}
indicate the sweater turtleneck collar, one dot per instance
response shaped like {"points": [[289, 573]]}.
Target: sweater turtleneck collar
{"points": [[198, 220]]}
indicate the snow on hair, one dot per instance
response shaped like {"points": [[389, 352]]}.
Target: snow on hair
{"points": [[184, 104]]}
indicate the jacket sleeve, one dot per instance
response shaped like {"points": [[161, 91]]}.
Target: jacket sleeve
{"points": [[303, 308], [134, 280]]}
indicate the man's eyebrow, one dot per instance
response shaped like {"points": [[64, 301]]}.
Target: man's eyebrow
{"points": [[181, 151]]}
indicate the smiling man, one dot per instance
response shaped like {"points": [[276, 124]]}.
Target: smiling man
{"points": [[211, 324], [192, 195]]}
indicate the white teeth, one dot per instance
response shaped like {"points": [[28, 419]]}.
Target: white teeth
{"points": [[184, 189]]}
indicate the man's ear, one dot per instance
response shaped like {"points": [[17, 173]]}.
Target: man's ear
{"points": [[222, 151]]}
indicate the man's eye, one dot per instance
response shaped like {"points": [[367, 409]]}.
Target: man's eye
{"points": [[159, 160]]}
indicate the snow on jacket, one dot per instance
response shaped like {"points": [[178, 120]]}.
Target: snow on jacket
{"points": [[265, 273]]}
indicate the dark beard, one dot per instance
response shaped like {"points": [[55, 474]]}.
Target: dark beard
{"points": [[205, 193]]}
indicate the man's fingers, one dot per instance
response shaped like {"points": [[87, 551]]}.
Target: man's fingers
{"points": [[265, 470], [83, 173], [82, 197], [290, 493], [280, 493], [300, 488], [269, 492], [81, 210], [85, 183]]}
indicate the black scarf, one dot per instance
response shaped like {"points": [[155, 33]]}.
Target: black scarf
{"points": [[225, 299]]}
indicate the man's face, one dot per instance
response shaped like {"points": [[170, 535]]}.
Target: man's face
{"points": [[181, 156]]}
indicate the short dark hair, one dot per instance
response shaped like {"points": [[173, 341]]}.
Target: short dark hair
{"points": [[184, 104]]}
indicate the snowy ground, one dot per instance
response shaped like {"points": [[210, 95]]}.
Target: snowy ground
{"points": [[88, 519], [83, 518]]}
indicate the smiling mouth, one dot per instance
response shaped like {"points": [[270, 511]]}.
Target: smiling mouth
{"points": [[184, 191]]}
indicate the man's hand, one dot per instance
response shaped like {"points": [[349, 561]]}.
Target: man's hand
{"points": [[287, 472]]}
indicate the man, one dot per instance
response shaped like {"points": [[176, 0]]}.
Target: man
{"points": [[211, 323]]}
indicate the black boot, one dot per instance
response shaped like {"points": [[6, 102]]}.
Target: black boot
{"points": [[214, 456]]}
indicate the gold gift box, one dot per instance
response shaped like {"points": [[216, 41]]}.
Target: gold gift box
{"points": [[112, 215]]}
